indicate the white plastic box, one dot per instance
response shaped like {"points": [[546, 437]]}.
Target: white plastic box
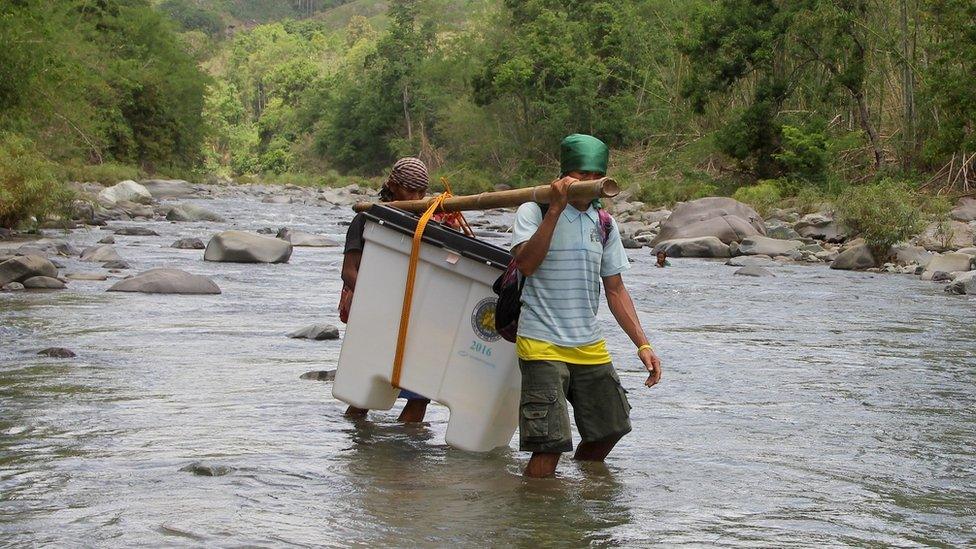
{"points": [[453, 354]]}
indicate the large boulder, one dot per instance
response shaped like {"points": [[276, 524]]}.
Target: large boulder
{"points": [[242, 247], [763, 245], [301, 238], [19, 269], [821, 226], [100, 254], [781, 230], [167, 188], [704, 246], [166, 281], [910, 255], [855, 258], [127, 191], [964, 284], [723, 218], [43, 283], [951, 237], [965, 210], [947, 263], [192, 212]]}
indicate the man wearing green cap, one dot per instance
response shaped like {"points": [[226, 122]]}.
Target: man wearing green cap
{"points": [[564, 254]]}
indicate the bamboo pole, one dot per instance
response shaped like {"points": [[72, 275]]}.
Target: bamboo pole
{"points": [[581, 190]]}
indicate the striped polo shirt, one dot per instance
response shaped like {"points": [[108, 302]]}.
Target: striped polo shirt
{"points": [[560, 300]]}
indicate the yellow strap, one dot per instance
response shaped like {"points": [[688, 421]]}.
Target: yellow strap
{"points": [[418, 235]]}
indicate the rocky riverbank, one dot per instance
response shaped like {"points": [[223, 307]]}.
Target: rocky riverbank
{"points": [[712, 227]]}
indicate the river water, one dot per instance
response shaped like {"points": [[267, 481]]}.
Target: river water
{"points": [[814, 408]]}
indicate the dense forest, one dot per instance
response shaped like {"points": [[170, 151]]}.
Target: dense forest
{"points": [[772, 100]]}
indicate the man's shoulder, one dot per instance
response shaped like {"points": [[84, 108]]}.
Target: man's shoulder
{"points": [[529, 210]]}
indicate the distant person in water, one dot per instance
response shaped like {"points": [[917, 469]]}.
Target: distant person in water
{"points": [[565, 253], [662, 259], [408, 181]]}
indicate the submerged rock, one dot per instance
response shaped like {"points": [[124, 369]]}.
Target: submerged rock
{"points": [[43, 283], [753, 270], [241, 247], [86, 276], [57, 352], [317, 332], [750, 261], [107, 240], [167, 281], [116, 265], [12, 287], [135, 231], [202, 469], [189, 244], [20, 268], [321, 375]]}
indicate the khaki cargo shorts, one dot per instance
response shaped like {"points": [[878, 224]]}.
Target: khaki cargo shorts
{"points": [[599, 402]]}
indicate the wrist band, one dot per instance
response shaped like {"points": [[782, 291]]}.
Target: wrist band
{"points": [[645, 346]]}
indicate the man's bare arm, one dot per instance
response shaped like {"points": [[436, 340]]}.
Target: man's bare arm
{"points": [[622, 307]]}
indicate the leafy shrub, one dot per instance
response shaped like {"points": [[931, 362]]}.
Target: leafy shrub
{"points": [[666, 192], [762, 196], [28, 187], [804, 154], [883, 213]]}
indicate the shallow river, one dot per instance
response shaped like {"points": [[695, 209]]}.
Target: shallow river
{"points": [[815, 408]]}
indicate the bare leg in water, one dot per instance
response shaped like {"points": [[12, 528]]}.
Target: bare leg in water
{"points": [[354, 412], [596, 450], [541, 465], [414, 411]]}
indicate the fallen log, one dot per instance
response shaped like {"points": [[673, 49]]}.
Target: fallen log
{"points": [[581, 190]]}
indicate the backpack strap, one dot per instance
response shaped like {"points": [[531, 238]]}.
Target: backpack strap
{"points": [[606, 225]]}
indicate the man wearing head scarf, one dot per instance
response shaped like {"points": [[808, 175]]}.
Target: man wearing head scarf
{"points": [[408, 181], [565, 255]]}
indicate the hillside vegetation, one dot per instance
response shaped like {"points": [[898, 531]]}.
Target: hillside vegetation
{"points": [[787, 100]]}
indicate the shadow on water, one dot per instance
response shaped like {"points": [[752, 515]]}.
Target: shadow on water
{"points": [[408, 487]]}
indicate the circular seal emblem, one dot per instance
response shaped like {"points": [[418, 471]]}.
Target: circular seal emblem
{"points": [[483, 320]]}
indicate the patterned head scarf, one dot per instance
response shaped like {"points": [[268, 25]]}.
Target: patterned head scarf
{"points": [[583, 153], [409, 173]]}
